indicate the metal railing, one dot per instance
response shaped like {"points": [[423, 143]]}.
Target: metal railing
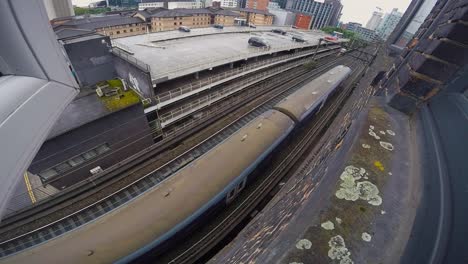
{"points": [[196, 86], [199, 103], [255, 51]]}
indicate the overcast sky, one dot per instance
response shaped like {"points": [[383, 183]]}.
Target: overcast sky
{"points": [[361, 10]]}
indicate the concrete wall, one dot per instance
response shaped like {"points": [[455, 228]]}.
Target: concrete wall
{"points": [[283, 17], [91, 60], [58, 8], [139, 79], [126, 132]]}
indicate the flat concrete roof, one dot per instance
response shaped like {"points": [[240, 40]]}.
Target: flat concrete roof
{"points": [[169, 59]]}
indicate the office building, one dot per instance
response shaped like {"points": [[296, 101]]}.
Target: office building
{"points": [[172, 4], [257, 4], [374, 21], [409, 24], [230, 3], [322, 12], [366, 34], [388, 24], [281, 3], [336, 12], [352, 26], [59, 8]]}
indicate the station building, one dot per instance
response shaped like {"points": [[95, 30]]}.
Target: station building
{"points": [[103, 125]]}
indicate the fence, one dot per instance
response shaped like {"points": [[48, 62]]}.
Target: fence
{"points": [[210, 112], [206, 82], [199, 103]]}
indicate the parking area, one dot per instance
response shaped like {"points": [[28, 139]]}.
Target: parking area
{"points": [[178, 57]]}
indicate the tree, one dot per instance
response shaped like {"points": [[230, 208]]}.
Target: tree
{"points": [[92, 11]]}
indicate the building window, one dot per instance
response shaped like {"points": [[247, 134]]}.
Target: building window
{"points": [[175, 18], [175, 23], [180, 23], [125, 31], [74, 162], [131, 30], [118, 32]]}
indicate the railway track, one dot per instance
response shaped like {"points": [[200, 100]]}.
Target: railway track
{"points": [[113, 174], [243, 209], [118, 198]]}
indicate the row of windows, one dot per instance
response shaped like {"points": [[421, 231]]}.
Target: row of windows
{"points": [[125, 31], [74, 162]]}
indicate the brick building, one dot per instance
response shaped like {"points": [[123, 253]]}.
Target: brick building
{"points": [[257, 4], [161, 19], [114, 26], [255, 17], [303, 21]]}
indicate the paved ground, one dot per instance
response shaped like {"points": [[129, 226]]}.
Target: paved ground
{"points": [[174, 58]]}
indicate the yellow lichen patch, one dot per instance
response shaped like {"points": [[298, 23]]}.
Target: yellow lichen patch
{"points": [[379, 165]]}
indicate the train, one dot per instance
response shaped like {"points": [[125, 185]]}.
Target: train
{"points": [[214, 179]]}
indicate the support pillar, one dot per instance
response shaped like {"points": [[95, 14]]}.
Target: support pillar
{"points": [[316, 49], [197, 75]]}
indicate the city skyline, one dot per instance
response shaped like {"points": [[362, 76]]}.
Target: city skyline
{"points": [[361, 11]]}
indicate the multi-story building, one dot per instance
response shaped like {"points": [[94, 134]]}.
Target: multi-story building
{"points": [[282, 17], [388, 24], [353, 26], [410, 23], [161, 19], [374, 21], [366, 34], [255, 17], [59, 8], [230, 3], [114, 26], [336, 13], [322, 12], [257, 4], [171, 4], [361, 32], [281, 3]]}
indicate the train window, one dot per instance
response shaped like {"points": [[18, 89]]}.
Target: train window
{"points": [[241, 185], [48, 173], [103, 148], [90, 155], [231, 195], [76, 161]]}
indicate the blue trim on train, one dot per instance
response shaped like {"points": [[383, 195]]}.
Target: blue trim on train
{"points": [[218, 198]]}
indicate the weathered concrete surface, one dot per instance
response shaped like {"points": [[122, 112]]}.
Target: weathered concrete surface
{"points": [[371, 217], [174, 58]]}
